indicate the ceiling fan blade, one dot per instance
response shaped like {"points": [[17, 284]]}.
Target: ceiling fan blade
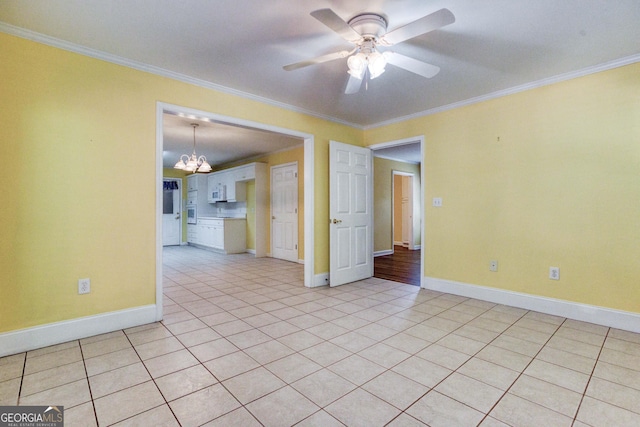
{"points": [[421, 26], [329, 18], [418, 67], [353, 84], [318, 60]]}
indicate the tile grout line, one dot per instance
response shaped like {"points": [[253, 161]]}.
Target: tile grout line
{"points": [[586, 387], [86, 373]]}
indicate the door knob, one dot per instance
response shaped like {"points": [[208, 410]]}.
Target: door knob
{"points": [[336, 221], [177, 216], [273, 217]]}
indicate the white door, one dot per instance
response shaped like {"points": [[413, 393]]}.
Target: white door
{"points": [[171, 218], [351, 213], [284, 212]]}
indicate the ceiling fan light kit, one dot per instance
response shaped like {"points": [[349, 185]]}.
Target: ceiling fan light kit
{"points": [[193, 163], [367, 31]]}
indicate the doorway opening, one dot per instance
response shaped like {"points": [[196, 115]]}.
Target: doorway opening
{"points": [[163, 109], [399, 210]]}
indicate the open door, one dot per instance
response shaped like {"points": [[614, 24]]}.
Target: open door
{"points": [[351, 213]]}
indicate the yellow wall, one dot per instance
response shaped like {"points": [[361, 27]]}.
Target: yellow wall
{"points": [[546, 177], [559, 187], [84, 204], [383, 204]]}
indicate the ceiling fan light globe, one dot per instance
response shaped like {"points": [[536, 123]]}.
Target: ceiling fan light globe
{"points": [[357, 74], [357, 63], [377, 63]]}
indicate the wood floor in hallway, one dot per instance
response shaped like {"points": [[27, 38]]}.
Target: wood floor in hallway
{"points": [[402, 266]]}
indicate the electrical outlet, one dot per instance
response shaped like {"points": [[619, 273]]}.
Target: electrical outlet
{"points": [[493, 265], [554, 273], [437, 202], [84, 286]]}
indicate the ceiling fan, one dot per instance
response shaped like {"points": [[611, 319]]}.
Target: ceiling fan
{"points": [[367, 32]]}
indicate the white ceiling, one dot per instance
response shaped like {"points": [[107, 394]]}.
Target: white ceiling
{"points": [[241, 46]]}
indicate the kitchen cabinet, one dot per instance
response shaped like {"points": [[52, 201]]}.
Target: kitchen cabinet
{"points": [[196, 182], [223, 234], [235, 181]]}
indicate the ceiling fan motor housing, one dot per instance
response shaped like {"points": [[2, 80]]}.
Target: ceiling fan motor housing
{"points": [[369, 25]]}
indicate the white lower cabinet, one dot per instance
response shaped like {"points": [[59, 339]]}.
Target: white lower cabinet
{"points": [[224, 234]]}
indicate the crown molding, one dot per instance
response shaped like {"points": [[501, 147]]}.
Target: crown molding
{"points": [[72, 47], [115, 59], [620, 62]]}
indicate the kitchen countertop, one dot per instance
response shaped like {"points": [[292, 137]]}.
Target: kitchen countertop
{"points": [[220, 217]]}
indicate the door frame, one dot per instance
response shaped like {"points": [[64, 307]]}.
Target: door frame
{"points": [[271, 168], [309, 186], [181, 201], [405, 141]]}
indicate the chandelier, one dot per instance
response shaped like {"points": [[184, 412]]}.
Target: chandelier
{"points": [[193, 163]]}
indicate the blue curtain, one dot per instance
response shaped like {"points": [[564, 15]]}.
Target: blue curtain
{"points": [[170, 185]]}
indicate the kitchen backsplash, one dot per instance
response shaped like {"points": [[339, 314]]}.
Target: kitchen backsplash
{"points": [[231, 209]]}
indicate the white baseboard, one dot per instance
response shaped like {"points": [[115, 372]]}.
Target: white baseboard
{"points": [[251, 251], [398, 243], [56, 333], [382, 253], [321, 279], [300, 261], [619, 319]]}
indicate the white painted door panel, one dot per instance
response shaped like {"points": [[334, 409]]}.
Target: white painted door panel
{"points": [[350, 210], [284, 212]]}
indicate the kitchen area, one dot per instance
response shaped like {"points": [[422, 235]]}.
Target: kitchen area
{"points": [[226, 210]]}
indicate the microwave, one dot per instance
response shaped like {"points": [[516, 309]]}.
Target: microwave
{"points": [[192, 215], [219, 194]]}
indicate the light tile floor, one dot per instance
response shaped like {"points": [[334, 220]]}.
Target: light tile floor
{"points": [[244, 343]]}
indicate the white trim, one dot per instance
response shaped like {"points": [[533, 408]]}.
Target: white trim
{"points": [[309, 211], [159, 178], [321, 279], [396, 160], [620, 62], [251, 251], [309, 182], [300, 261], [115, 59], [398, 243], [583, 312], [383, 253], [68, 330]]}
